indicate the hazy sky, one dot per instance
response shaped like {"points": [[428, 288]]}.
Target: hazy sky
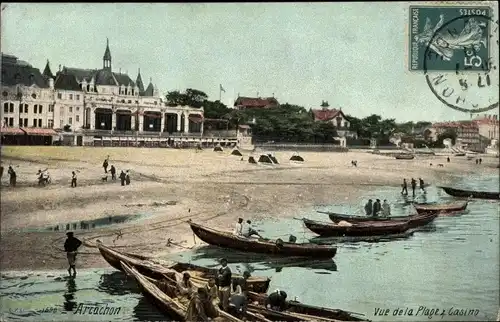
{"points": [[351, 54]]}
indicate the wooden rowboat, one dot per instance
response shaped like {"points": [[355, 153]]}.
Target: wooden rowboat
{"points": [[414, 221], [471, 194], [301, 308], [229, 240], [440, 208], [405, 157], [150, 268], [356, 239], [295, 311], [373, 228], [171, 305]]}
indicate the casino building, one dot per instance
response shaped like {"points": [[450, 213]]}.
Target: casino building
{"points": [[89, 107]]}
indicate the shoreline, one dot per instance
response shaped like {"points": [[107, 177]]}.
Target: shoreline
{"points": [[211, 188]]}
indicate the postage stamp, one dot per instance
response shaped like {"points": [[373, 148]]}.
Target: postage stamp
{"points": [[463, 45], [459, 89]]}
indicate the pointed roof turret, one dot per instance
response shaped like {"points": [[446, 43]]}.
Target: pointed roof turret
{"points": [[139, 82], [106, 59], [47, 72], [150, 90]]}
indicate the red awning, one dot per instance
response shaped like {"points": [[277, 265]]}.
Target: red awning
{"points": [[196, 119], [11, 131], [41, 132]]}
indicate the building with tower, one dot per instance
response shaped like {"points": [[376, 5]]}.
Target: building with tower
{"points": [[91, 103]]}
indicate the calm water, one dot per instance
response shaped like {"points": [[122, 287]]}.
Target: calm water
{"points": [[453, 263]]}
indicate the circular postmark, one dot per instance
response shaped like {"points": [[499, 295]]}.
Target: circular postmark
{"points": [[465, 90]]}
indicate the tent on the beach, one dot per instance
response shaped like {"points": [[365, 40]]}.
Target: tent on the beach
{"points": [[236, 152], [265, 159], [251, 159], [218, 148], [297, 157], [273, 158]]}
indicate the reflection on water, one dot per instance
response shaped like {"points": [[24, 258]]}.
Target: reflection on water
{"points": [[437, 267], [69, 296]]}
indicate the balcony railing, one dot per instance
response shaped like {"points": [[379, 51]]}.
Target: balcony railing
{"points": [[208, 134]]}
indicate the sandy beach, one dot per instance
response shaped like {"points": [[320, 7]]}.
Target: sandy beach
{"points": [[208, 187]]}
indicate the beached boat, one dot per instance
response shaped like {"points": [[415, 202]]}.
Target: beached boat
{"points": [[275, 247], [416, 220], [311, 310], [471, 193], [373, 228], [150, 268], [167, 302], [256, 311], [405, 157], [440, 208]]}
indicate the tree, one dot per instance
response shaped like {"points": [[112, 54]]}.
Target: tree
{"points": [[191, 97]]}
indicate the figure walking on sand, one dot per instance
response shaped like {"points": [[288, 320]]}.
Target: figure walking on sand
{"points": [[413, 186], [105, 165], [13, 176], [127, 178], [73, 179], [112, 170], [70, 247], [122, 178]]}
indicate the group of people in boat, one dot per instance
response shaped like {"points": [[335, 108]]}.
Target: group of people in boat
{"points": [[413, 182], [245, 229], [228, 294], [374, 209]]}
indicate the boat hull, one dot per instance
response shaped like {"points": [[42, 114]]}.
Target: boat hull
{"points": [[413, 221], [229, 240], [359, 229], [471, 194], [443, 208], [156, 271]]}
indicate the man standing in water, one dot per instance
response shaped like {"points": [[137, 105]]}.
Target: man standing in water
{"points": [[413, 186], [421, 182], [369, 208], [70, 247], [404, 191], [224, 279], [386, 209]]}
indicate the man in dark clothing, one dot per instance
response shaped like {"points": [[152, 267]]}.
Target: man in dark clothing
{"points": [[73, 179], [448, 159], [70, 247], [122, 178], [1, 172], [404, 191], [113, 172], [105, 165], [377, 207], [369, 208], [422, 184], [413, 185], [13, 176], [238, 300], [276, 300], [224, 283], [480, 160], [127, 178]]}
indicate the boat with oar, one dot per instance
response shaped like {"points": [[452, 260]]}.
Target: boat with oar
{"points": [[153, 269], [275, 247], [256, 311], [166, 299], [414, 221], [356, 239], [373, 228], [441, 208], [471, 193]]}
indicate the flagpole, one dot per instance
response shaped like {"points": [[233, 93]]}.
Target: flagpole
{"points": [[220, 92]]}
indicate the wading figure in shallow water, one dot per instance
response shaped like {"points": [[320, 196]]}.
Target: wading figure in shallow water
{"points": [[70, 247]]}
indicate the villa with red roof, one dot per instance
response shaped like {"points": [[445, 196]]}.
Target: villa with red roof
{"points": [[336, 117]]}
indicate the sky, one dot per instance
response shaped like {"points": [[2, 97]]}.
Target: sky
{"points": [[353, 55]]}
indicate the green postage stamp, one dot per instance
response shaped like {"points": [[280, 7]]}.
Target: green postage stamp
{"points": [[449, 38]]}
